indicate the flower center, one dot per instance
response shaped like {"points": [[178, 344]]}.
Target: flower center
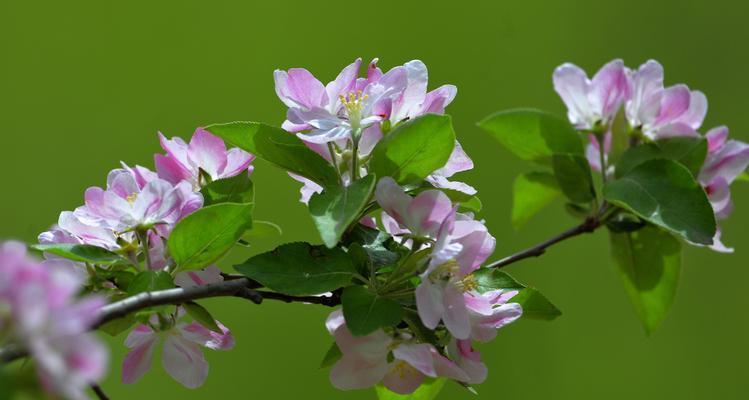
{"points": [[405, 369], [131, 198], [354, 104]]}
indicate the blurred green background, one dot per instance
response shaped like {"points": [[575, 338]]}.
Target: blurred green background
{"points": [[84, 84]]}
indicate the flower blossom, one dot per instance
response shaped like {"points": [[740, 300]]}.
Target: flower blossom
{"points": [[45, 318], [181, 356], [203, 160], [725, 161], [365, 360], [663, 112], [459, 245], [592, 103]]}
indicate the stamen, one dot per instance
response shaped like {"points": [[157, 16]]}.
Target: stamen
{"points": [[131, 198]]}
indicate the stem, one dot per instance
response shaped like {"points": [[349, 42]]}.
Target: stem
{"points": [[602, 156], [355, 154], [334, 160], [143, 239], [99, 392], [588, 226]]}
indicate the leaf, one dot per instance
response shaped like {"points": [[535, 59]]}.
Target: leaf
{"points": [[665, 193], [690, 152], [380, 246], [238, 189], [743, 177], [149, 281], [649, 261], [336, 208], [204, 236], [473, 204], [365, 312], [619, 135], [201, 316], [535, 305], [278, 147], [300, 269], [429, 390], [81, 253], [531, 193], [574, 177], [331, 356], [533, 135], [414, 149]]}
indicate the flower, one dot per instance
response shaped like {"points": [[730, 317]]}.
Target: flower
{"points": [[468, 359], [422, 215], [205, 276], [592, 104], [364, 362], [47, 319], [344, 106], [725, 161], [182, 356], [204, 157], [458, 162], [663, 112], [490, 311]]}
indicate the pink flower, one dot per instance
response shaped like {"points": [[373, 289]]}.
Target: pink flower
{"points": [[205, 156], [592, 103], [308, 189], [663, 112], [490, 311], [593, 151], [459, 245], [205, 276], [344, 106], [47, 319], [365, 360], [182, 356], [468, 359], [726, 160], [458, 162]]}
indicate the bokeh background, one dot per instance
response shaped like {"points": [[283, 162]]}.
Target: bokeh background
{"points": [[85, 84]]}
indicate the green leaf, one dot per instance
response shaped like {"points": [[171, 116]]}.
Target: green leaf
{"points": [[428, 390], [81, 253], [533, 135], [665, 193], [365, 312], [149, 281], [238, 189], [574, 177], [336, 208], [649, 261], [414, 149], [278, 147], [300, 269], [690, 152], [473, 204], [380, 246], [743, 177], [619, 135], [331, 356], [531, 193], [204, 236], [535, 305], [201, 316]]}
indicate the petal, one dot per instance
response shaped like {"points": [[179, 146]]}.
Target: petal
{"points": [[205, 337], [440, 182], [716, 138], [418, 356], [308, 189], [298, 88], [429, 303], [572, 85], [456, 315], [427, 211], [237, 162], [352, 372], [458, 162], [609, 89], [170, 170], [175, 148], [403, 378], [205, 276], [674, 103], [695, 115], [438, 99], [207, 152], [138, 360], [647, 87], [344, 82], [393, 199], [410, 101], [184, 361]]}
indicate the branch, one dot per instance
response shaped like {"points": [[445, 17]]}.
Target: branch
{"points": [[235, 287], [99, 392], [588, 226]]}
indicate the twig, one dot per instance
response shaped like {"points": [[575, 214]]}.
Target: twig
{"points": [[99, 392], [588, 226]]}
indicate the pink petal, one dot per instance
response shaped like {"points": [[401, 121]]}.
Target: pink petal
{"points": [[183, 360], [418, 356], [170, 170], [426, 212], [674, 103], [609, 89], [205, 276], [456, 315], [298, 88], [403, 379], [138, 360], [199, 334], [429, 303], [393, 199], [572, 85], [344, 82], [207, 152], [438, 99], [353, 372]]}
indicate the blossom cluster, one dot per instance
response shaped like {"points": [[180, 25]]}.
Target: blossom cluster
{"points": [[133, 216], [653, 112], [41, 313], [344, 120]]}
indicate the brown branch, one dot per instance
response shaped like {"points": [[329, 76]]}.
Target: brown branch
{"points": [[99, 392], [588, 226]]}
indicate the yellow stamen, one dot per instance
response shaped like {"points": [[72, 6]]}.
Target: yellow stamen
{"points": [[131, 198]]}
